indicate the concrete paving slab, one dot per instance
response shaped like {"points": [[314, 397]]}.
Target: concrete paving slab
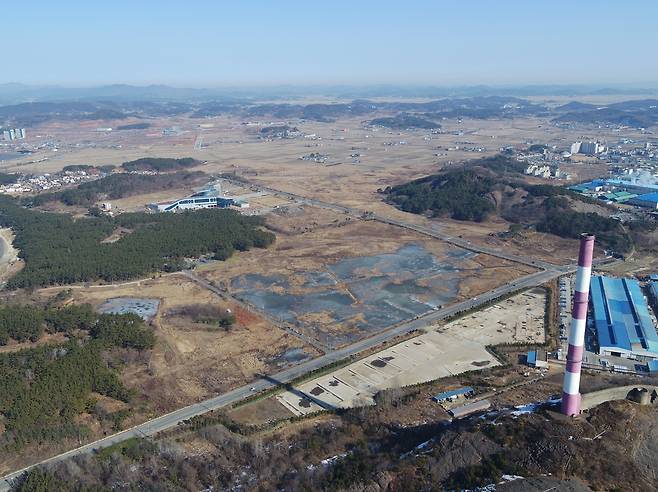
{"points": [[458, 347]]}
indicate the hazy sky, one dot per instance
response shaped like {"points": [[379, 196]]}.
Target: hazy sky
{"points": [[217, 43]]}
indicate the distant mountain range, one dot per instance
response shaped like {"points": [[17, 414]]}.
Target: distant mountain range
{"points": [[640, 113], [405, 114], [12, 93], [27, 106]]}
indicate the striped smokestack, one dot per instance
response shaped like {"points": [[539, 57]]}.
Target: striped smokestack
{"points": [[571, 386]]}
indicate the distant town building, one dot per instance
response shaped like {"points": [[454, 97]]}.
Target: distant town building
{"points": [[541, 171], [545, 171], [575, 147], [11, 134], [315, 157], [587, 148], [43, 182]]}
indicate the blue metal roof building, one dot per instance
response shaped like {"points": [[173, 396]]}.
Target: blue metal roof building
{"points": [[648, 200], [621, 319], [531, 358], [629, 185], [537, 358], [449, 395], [595, 185], [619, 190], [652, 365]]}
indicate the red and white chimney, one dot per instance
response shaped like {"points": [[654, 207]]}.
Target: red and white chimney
{"points": [[571, 385]]}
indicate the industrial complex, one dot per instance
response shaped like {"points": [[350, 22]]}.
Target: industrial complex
{"points": [[621, 191], [621, 326], [621, 318]]}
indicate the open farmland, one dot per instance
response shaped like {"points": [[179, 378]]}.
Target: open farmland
{"points": [[231, 144]]}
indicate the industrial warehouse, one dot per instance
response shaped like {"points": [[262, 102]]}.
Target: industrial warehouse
{"points": [[620, 191], [210, 197], [621, 319]]}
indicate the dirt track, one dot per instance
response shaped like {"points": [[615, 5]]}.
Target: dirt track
{"points": [[9, 257]]}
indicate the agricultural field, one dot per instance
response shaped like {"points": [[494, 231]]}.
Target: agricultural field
{"points": [[383, 157]]}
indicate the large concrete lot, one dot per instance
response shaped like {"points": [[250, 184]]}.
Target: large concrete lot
{"points": [[519, 319], [453, 348]]}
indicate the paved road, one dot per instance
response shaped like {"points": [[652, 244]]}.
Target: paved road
{"points": [[172, 419], [456, 241], [462, 243]]}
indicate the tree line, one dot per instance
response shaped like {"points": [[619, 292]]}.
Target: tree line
{"points": [[60, 250], [207, 314], [21, 323], [43, 389], [460, 194], [370, 450], [29, 322], [467, 194], [115, 186], [403, 121], [160, 164], [563, 222]]}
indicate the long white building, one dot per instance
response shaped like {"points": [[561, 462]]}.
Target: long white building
{"points": [[208, 198]]}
